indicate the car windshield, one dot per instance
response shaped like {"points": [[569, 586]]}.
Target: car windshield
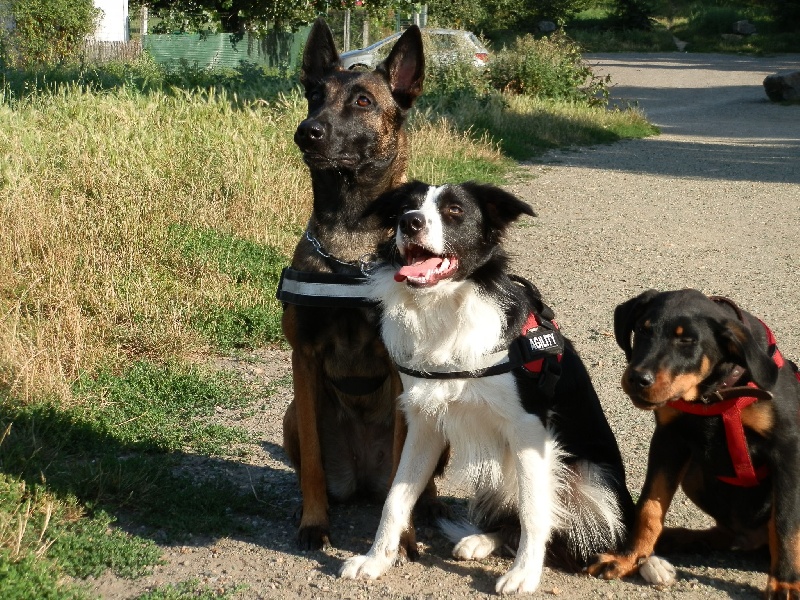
{"points": [[380, 43]]}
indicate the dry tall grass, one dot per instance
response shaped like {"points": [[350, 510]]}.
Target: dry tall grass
{"points": [[92, 182]]}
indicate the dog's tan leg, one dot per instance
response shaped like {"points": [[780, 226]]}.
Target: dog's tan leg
{"points": [[657, 495], [408, 538], [784, 550], [314, 531]]}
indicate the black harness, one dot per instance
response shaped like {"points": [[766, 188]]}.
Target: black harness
{"points": [[312, 288], [343, 288], [536, 352]]}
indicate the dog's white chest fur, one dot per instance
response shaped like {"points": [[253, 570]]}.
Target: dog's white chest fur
{"points": [[448, 327], [452, 327]]}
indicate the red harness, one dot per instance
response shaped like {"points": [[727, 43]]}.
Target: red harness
{"points": [[731, 412]]}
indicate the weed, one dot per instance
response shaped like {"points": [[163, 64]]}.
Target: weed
{"points": [[188, 590], [161, 408]]}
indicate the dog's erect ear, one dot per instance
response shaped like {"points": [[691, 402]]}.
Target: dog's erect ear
{"points": [[500, 208], [320, 57], [742, 348], [625, 317], [387, 206], [405, 68]]}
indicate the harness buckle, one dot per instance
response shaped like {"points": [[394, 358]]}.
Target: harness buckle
{"points": [[549, 376]]}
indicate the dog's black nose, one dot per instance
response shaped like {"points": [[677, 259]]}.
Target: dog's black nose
{"points": [[412, 222], [640, 379], [309, 131]]}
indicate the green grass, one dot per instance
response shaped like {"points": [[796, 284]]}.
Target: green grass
{"points": [[119, 450], [704, 26], [241, 323], [161, 408]]}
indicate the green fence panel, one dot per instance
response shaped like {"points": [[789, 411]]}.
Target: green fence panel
{"points": [[276, 49]]}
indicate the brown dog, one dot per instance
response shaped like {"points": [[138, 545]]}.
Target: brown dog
{"points": [[727, 412], [339, 430]]}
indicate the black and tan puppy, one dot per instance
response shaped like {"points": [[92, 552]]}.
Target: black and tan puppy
{"points": [[338, 431], [727, 412]]}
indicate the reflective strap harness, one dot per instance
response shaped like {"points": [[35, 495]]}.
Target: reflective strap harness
{"points": [[310, 288], [734, 400], [536, 352]]}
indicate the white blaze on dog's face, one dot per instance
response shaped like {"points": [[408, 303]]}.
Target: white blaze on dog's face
{"points": [[436, 233]]}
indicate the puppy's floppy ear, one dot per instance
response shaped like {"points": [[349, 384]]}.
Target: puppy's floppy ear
{"points": [[320, 56], [405, 68], [500, 208], [387, 205], [625, 317], [743, 348]]}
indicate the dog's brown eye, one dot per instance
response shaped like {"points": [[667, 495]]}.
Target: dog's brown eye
{"points": [[363, 101], [454, 209]]}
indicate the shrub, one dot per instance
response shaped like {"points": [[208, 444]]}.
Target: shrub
{"points": [[45, 31], [550, 67], [713, 20], [633, 14]]}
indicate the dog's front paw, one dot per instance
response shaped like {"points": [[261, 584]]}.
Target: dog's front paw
{"points": [[313, 537], [475, 547], [519, 580], [657, 571], [782, 590], [364, 567], [613, 566]]}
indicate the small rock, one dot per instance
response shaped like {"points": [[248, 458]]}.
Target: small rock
{"points": [[783, 87], [744, 28], [546, 26]]}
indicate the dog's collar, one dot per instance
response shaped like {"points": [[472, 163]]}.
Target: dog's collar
{"points": [[342, 288], [364, 265], [732, 402]]}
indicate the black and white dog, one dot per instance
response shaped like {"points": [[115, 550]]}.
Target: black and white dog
{"points": [[526, 429]]}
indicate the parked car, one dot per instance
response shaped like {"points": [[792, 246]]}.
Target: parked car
{"points": [[442, 46]]}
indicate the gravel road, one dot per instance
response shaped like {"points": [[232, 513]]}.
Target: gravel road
{"points": [[712, 203]]}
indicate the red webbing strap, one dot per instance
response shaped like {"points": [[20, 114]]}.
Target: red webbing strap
{"points": [[731, 412], [772, 348]]}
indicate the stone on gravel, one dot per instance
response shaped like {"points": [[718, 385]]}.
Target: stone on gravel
{"points": [[783, 87]]}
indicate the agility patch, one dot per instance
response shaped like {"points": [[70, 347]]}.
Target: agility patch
{"points": [[307, 288]]}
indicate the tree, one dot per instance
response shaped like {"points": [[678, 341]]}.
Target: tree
{"points": [[238, 16], [45, 31]]}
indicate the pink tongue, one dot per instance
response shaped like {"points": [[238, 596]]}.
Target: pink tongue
{"points": [[418, 269]]}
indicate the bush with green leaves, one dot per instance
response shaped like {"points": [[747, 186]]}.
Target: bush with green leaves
{"points": [[633, 14], [547, 68], [45, 32]]}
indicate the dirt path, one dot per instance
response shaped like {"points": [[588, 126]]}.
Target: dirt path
{"points": [[713, 203]]}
